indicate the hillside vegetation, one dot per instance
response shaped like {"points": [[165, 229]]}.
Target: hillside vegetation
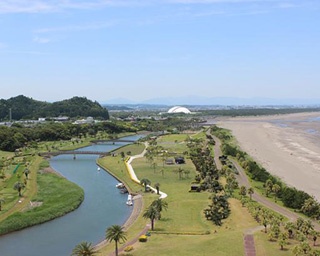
{"points": [[23, 107]]}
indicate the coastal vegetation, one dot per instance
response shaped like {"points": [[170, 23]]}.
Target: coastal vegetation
{"points": [[265, 182], [185, 223]]}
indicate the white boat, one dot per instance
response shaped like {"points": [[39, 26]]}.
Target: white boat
{"points": [[129, 200], [120, 185], [99, 169]]}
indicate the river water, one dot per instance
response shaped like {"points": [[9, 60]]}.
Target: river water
{"points": [[102, 207]]}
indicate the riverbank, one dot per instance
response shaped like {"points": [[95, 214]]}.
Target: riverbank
{"points": [[286, 145], [138, 204], [47, 205]]}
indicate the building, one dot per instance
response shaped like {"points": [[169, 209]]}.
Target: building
{"points": [[178, 109]]}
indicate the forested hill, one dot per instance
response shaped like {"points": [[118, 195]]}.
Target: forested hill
{"points": [[23, 107]]}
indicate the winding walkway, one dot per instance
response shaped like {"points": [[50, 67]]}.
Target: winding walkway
{"points": [[137, 206], [134, 176]]}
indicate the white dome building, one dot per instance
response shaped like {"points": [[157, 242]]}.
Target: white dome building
{"points": [[178, 109]]}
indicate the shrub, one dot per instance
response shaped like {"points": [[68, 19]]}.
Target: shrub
{"points": [[143, 238], [129, 248]]}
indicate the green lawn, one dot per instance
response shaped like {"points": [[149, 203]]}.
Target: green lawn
{"points": [[182, 230], [54, 204]]}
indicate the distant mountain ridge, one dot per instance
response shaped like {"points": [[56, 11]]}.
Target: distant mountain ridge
{"points": [[23, 107], [214, 101]]}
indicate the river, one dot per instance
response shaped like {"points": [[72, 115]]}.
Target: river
{"points": [[102, 207]]}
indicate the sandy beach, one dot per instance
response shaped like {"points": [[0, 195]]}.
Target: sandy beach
{"points": [[288, 146]]}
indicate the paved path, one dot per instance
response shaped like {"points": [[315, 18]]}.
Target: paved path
{"points": [[133, 175], [249, 248], [137, 207]]}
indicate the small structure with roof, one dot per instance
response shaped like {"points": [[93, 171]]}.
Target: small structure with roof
{"points": [[178, 109]]}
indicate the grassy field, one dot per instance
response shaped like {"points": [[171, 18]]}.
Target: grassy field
{"points": [[49, 204], [183, 229]]}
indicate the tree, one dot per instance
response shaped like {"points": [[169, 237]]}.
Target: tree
{"points": [[243, 191], [157, 185], [311, 208], [314, 235], [250, 192], [84, 249], [145, 182], [276, 189], [283, 237], [116, 233], [1, 202], [160, 204], [290, 227], [180, 171], [265, 223], [154, 166], [231, 184], [19, 186], [151, 213], [26, 173], [268, 185]]}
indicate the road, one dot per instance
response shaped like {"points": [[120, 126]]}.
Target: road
{"points": [[244, 181]]}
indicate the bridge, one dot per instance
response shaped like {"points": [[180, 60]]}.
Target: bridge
{"points": [[73, 152], [113, 141]]}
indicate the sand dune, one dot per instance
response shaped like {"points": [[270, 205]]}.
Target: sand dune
{"points": [[288, 146]]}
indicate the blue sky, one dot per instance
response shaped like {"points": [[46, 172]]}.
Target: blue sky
{"points": [[140, 49]]}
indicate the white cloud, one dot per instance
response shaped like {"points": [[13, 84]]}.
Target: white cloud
{"points": [[41, 40], [91, 26], [24, 6], [43, 6]]}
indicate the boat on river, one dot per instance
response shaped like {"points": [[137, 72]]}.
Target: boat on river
{"points": [[129, 200], [120, 185]]}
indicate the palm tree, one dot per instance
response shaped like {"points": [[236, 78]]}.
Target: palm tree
{"points": [[160, 204], [117, 234], [250, 192], [1, 201], [283, 237], [154, 166], [84, 249], [276, 189], [180, 171], [268, 186], [145, 182], [26, 173], [290, 226], [19, 186], [314, 235], [151, 213], [157, 185], [243, 190]]}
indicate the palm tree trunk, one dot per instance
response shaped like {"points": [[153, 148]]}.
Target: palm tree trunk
{"points": [[116, 248], [152, 224]]}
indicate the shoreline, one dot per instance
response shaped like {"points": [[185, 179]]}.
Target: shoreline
{"points": [[283, 145]]}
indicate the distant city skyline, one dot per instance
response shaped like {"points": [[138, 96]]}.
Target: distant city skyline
{"points": [[149, 49]]}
